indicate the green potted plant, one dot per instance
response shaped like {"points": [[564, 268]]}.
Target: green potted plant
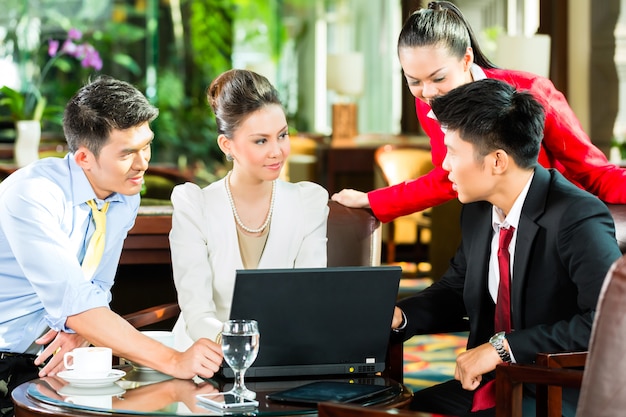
{"points": [[27, 107], [28, 103]]}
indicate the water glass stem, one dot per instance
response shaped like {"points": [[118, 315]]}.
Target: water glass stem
{"points": [[239, 387]]}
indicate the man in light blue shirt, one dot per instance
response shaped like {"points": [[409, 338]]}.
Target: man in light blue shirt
{"points": [[45, 225]]}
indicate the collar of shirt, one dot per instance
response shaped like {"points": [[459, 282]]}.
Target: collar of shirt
{"points": [[498, 219]]}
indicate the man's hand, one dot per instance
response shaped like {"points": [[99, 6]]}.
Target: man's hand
{"points": [[397, 318], [203, 358], [103, 327], [472, 364], [59, 343], [351, 198]]}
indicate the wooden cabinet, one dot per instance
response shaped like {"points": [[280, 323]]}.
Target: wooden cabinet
{"points": [[350, 163]]}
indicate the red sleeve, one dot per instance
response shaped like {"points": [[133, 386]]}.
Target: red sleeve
{"points": [[424, 192], [411, 196], [565, 145]]}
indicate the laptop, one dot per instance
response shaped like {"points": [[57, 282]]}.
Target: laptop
{"points": [[317, 321]]}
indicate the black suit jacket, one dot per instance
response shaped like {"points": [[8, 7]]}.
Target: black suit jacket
{"points": [[565, 246]]}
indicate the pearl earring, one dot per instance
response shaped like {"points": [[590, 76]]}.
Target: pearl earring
{"points": [[229, 157]]}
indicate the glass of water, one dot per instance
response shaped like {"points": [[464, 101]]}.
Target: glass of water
{"points": [[240, 344]]}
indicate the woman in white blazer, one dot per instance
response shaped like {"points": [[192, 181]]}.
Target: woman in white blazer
{"points": [[249, 219]]}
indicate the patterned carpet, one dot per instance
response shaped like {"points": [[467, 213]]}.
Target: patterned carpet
{"points": [[430, 359]]}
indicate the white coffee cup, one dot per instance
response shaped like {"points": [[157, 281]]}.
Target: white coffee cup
{"points": [[167, 338], [93, 361], [162, 336]]}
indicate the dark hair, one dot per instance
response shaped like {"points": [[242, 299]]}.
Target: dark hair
{"points": [[99, 107], [492, 115], [442, 24], [237, 93]]}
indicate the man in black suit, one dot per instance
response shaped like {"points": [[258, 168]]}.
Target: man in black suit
{"points": [[563, 243]]}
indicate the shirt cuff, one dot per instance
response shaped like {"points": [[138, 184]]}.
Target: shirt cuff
{"points": [[402, 325]]}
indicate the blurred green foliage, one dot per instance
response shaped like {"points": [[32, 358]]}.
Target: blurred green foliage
{"points": [[185, 129], [172, 51]]}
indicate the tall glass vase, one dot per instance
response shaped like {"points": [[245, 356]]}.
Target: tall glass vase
{"points": [[27, 141]]}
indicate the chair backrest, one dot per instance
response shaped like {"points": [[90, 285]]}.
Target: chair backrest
{"points": [[603, 391], [354, 236], [618, 211], [394, 164], [400, 163], [153, 315]]}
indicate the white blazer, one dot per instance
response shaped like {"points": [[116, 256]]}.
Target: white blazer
{"points": [[205, 248]]}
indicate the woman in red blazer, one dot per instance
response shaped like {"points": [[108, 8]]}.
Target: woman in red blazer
{"points": [[438, 51]]}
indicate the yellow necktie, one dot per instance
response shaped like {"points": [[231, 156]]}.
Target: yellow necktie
{"points": [[96, 243]]}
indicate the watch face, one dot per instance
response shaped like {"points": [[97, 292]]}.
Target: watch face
{"points": [[498, 337]]}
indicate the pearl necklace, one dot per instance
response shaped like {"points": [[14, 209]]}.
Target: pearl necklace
{"points": [[238, 219]]}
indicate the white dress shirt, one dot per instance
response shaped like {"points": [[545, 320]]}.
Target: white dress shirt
{"points": [[498, 222]]}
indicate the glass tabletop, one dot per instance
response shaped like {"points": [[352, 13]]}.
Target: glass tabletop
{"points": [[142, 392]]}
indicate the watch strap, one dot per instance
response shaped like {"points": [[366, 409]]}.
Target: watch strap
{"points": [[498, 344]]}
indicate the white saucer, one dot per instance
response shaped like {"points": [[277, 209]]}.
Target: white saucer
{"points": [[143, 377], [111, 389], [142, 368], [85, 381]]}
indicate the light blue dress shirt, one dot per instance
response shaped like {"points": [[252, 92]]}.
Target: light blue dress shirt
{"points": [[45, 226]]}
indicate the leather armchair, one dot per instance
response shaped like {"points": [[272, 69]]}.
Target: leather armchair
{"points": [[354, 236]]}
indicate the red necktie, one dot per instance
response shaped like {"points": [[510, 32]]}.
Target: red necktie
{"points": [[503, 303], [485, 396]]}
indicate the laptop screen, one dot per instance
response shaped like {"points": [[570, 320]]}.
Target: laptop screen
{"points": [[318, 321]]}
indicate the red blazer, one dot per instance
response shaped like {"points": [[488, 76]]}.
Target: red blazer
{"points": [[565, 146]]}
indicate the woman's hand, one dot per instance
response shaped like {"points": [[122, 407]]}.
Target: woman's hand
{"points": [[351, 198]]}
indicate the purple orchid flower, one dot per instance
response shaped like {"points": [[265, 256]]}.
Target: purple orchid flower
{"points": [[53, 47], [89, 57], [69, 48], [85, 53], [74, 34]]}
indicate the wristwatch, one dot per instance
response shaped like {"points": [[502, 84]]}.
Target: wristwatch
{"points": [[497, 341]]}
